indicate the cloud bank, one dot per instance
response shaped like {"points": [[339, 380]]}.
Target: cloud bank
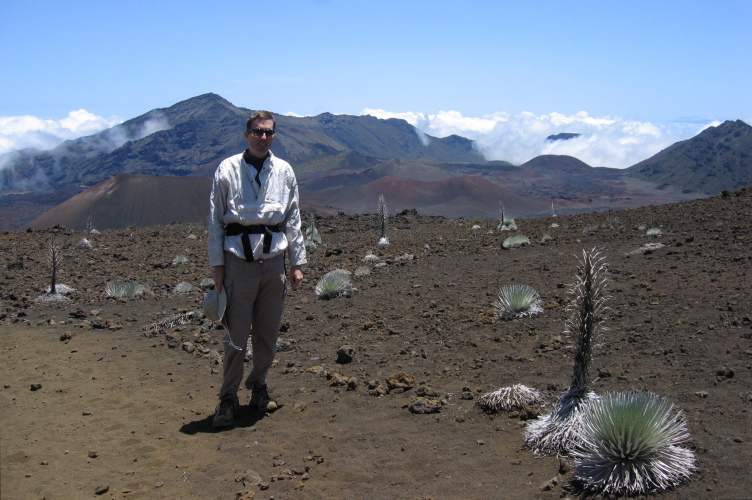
{"points": [[20, 132], [603, 141]]}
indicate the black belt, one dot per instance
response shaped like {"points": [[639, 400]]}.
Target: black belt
{"points": [[235, 229]]}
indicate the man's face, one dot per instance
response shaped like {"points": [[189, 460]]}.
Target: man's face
{"points": [[259, 145]]}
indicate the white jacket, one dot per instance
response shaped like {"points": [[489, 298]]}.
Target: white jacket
{"points": [[237, 198]]}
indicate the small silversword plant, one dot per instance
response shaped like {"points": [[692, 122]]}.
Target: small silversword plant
{"points": [[383, 215], [517, 301], [371, 257], [510, 398], [179, 259], [54, 259], [516, 241], [505, 224], [334, 284], [363, 271], [312, 235], [630, 446], [124, 289]]}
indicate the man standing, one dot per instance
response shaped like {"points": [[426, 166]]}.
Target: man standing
{"points": [[254, 217]]}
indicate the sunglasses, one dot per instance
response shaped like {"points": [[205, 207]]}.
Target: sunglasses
{"points": [[258, 132]]}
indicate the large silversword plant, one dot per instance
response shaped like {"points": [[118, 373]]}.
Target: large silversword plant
{"points": [[630, 446], [558, 431]]}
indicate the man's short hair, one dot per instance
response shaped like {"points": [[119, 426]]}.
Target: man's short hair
{"points": [[259, 115]]}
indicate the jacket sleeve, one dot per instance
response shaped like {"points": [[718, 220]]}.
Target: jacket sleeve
{"points": [[217, 208], [293, 232]]}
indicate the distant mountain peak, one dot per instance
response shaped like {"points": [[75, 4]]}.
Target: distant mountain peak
{"points": [[562, 163], [716, 159]]}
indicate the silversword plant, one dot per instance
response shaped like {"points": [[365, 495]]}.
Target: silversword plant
{"points": [[588, 308], [506, 224], [58, 296], [371, 257], [558, 431], [630, 446], [383, 240], [312, 237], [124, 289], [517, 301], [363, 271], [334, 284], [54, 259], [510, 398], [179, 260], [516, 241]]}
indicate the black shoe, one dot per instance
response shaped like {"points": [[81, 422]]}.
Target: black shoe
{"points": [[225, 412], [260, 399]]}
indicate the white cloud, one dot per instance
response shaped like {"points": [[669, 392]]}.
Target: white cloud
{"points": [[156, 123], [19, 132], [603, 141], [445, 122]]}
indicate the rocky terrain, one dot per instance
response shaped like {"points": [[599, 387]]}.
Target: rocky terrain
{"points": [[113, 398]]}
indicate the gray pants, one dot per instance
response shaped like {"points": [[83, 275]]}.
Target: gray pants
{"points": [[255, 301]]}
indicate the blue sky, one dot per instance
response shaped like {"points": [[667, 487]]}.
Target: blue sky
{"points": [[632, 76]]}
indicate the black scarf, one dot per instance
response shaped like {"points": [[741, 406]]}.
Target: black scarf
{"points": [[258, 163]]}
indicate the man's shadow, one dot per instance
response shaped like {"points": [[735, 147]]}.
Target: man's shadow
{"points": [[245, 417]]}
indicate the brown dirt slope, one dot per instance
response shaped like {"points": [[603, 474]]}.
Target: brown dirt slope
{"points": [[466, 196], [131, 199], [116, 396]]}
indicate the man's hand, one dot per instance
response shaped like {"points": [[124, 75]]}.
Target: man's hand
{"points": [[218, 275], [296, 276]]}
